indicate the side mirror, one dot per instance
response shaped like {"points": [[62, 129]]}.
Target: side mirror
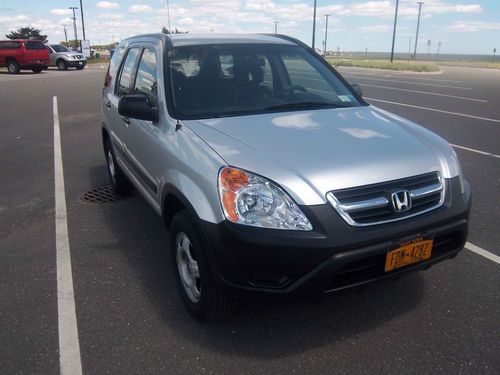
{"points": [[357, 88], [137, 106]]}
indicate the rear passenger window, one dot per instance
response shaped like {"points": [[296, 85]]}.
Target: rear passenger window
{"points": [[10, 45], [34, 44], [146, 82], [125, 81]]}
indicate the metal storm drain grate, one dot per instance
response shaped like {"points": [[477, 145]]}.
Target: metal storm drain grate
{"points": [[101, 195]]}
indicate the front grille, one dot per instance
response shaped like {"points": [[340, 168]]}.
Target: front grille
{"points": [[372, 268], [373, 204]]}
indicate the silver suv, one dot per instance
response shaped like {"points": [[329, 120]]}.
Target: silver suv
{"points": [[271, 171], [63, 58]]}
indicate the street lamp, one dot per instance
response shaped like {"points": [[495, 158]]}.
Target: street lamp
{"points": [[394, 31], [314, 24], [326, 32], [74, 21], [418, 25], [276, 27], [83, 23], [65, 33]]}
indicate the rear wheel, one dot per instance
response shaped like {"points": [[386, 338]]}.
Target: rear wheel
{"points": [[61, 65], [38, 69], [118, 179], [13, 67], [203, 297]]}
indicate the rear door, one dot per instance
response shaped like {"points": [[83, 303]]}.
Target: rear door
{"points": [[122, 77], [142, 136], [35, 52]]}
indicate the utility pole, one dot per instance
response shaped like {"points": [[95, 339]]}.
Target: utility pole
{"points": [[409, 51], [65, 34], [418, 25], [366, 52], [74, 22], [276, 27], [83, 23], [494, 54], [314, 24], [429, 49], [394, 31], [439, 48], [326, 31]]}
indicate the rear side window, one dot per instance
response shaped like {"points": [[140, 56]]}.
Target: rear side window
{"points": [[115, 59], [124, 84], [146, 82], [34, 44], [10, 45]]}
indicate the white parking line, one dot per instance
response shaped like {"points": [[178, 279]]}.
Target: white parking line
{"points": [[435, 110], [482, 252], [394, 74], [410, 82], [425, 92], [69, 347], [478, 151]]}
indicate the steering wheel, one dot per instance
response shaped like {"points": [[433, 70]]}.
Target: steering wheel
{"points": [[287, 92]]}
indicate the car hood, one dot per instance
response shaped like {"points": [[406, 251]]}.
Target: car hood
{"points": [[310, 153]]}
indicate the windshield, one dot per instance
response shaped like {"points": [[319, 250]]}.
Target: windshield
{"points": [[230, 80], [59, 48]]}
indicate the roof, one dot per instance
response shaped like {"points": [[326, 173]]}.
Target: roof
{"points": [[178, 40]]}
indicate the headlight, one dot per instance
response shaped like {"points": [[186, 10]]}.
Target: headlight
{"points": [[252, 200]]}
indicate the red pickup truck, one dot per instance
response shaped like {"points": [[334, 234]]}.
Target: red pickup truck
{"points": [[20, 54]]}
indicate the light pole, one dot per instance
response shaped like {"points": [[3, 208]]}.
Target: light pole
{"points": [[418, 25], [83, 23], [326, 32], [65, 33], [314, 24], [394, 31], [74, 21], [276, 27]]}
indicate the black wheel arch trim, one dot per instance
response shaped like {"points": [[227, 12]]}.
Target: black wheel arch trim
{"points": [[169, 189]]}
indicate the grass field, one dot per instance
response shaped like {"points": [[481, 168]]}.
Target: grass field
{"points": [[97, 61], [385, 64]]}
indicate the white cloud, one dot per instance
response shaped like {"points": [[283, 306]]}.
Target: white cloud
{"points": [[107, 5], [140, 9], [472, 26], [186, 21], [61, 12]]}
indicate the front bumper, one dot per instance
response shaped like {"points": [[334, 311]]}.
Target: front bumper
{"points": [[76, 63], [334, 255]]}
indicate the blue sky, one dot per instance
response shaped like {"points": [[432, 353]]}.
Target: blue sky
{"points": [[462, 26]]}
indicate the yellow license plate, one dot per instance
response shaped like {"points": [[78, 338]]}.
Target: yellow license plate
{"points": [[409, 252]]}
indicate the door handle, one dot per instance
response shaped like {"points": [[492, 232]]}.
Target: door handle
{"points": [[126, 120], [107, 104]]}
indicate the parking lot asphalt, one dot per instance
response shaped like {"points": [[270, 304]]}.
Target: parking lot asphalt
{"points": [[130, 318]]}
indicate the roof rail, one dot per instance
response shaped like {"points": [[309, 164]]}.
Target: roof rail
{"points": [[288, 38]]}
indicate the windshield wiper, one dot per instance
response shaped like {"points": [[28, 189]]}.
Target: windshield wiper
{"points": [[303, 104]]}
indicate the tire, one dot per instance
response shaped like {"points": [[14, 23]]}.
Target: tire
{"points": [[204, 298], [119, 181], [13, 67], [61, 65], [80, 67], [37, 69]]}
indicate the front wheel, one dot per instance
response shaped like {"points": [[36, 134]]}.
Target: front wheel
{"points": [[203, 297], [119, 181], [61, 65], [80, 67]]}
